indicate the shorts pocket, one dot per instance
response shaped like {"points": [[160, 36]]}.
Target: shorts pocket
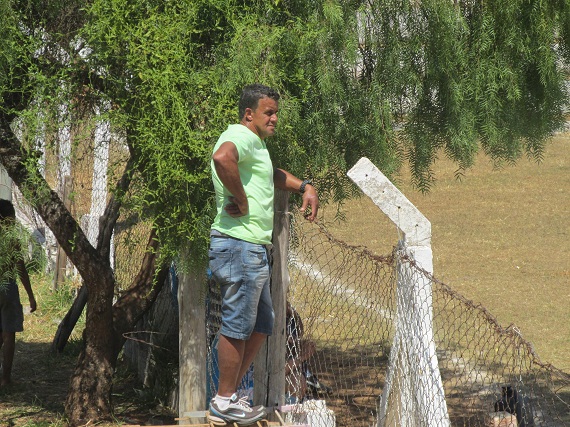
{"points": [[256, 257], [221, 265]]}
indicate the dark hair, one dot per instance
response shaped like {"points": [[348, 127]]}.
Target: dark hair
{"points": [[7, 209], [251, 94]]}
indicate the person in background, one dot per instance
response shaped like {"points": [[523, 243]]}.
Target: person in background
{"points": [[244, 181], [299, 351], [300, 382], [11, 312]]}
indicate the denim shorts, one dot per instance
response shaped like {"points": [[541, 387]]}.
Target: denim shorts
{"points": [[242, 270]]}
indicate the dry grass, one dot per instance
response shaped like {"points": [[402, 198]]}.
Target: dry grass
{"points": [[500, 238]]}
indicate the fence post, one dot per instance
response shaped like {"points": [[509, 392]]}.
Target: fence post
{"points": [[192, 344], [61, 260], [269, 365], [413, 394]]}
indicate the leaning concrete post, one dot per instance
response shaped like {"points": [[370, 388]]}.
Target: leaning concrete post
{"points": [[413, 394]]}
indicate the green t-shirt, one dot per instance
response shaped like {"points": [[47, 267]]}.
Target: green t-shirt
{"points": [[256, 172]]}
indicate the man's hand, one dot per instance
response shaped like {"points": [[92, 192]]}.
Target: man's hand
{"points": [[285, 181], [311, 200], [236, 208]]}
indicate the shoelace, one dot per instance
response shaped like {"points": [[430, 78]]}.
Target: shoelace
{"points": [[243, 403]]}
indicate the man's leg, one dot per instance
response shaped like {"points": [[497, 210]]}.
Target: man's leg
{"points": [[252, 346], [234, 359], [8, 347], [230, 358], [225, 407]]}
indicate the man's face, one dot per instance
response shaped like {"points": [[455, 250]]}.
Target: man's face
{"points": [[263, 119]]}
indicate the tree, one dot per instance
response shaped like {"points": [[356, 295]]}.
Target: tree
{"points": [[394, 80]]}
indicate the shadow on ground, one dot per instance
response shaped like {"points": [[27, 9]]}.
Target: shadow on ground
{"points": [[40, 383]]}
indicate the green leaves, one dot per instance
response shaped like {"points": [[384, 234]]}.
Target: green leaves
{"points": [[14, 244], [394, 81], [470, 74]]}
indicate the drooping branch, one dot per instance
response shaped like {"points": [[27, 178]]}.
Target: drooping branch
{"points": [[111, 215]]}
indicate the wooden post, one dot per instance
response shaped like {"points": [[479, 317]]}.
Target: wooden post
{"points": [[269, 366], [61, 259], [413, 383], [192, 344]]}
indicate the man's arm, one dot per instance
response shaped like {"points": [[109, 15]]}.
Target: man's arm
{"points": [[25, 279], [226, 163], [288, 182]]}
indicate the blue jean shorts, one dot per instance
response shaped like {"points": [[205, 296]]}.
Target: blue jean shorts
{"points": [[242, 270]]}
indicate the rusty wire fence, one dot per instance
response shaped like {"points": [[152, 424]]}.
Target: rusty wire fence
{"points": [[346, 299]]}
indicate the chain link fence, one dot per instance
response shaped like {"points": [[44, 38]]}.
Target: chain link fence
{"points": [[346, 299]]}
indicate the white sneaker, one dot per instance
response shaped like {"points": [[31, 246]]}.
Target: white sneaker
{"points": [[238, 411]]}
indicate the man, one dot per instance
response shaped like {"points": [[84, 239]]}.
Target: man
{"points": [[11, 313], [244, 180]]}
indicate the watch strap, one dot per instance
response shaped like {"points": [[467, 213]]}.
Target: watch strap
{"points": [[304, 184]]}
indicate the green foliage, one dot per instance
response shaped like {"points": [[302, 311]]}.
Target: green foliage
{"points": [[471, 74], [394, 81], [14, 243]]}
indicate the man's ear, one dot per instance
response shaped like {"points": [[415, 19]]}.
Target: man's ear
{"points": [[247, 114]]}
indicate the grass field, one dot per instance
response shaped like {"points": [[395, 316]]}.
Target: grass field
{"points": [[500, 237]]}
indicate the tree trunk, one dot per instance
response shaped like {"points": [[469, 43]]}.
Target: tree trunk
{"points": [[66, 326], [89, 396]]}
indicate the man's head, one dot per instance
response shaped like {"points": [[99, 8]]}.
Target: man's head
{"points": [[258, 107], [251, 95]]}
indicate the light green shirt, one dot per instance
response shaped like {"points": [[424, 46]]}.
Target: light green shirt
{"points": [[256, 173]]}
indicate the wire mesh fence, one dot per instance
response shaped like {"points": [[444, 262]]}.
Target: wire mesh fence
{"points": [[346, 297], [341, 323]]}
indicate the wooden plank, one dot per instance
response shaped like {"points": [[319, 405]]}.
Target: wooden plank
{"points": [[269, 366], [61, 259], [192, 343]]}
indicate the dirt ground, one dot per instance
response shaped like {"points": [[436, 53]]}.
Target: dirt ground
{"points": [[37, 395]]}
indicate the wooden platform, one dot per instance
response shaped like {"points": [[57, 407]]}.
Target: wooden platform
{"points": [[209, 423]]}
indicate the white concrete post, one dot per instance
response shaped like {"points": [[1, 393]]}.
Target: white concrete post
{"points": [[64, 141], [102, 139], [413, 394], [5, 185]]}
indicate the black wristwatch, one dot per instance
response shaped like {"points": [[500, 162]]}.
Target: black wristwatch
{"points": [[304, 184]]}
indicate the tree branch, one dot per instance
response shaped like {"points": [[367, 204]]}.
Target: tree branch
{"points": [[138, 299]]}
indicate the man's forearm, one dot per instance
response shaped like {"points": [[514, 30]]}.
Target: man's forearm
{"points": [[286, 181]]}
